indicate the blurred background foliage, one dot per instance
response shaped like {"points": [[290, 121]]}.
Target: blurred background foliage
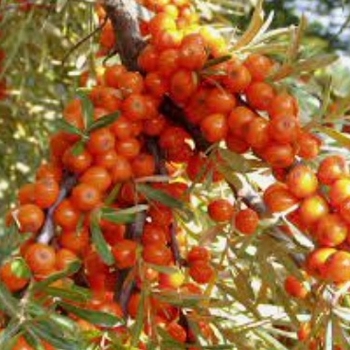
{"points": [[37, 40]]}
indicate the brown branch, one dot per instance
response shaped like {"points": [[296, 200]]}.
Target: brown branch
{"points": [[124, 17]]}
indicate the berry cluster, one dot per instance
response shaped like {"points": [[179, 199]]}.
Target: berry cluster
{"points": [[101, 191]]}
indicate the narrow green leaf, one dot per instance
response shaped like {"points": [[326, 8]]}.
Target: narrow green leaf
{"points": [[8, 303], [342, 139], [122, 216], [67, 294], [63, 125], [72, 269], [139, 321], [97, 318], [88, 109], [100, 243], [103, 122], [164, 198]]}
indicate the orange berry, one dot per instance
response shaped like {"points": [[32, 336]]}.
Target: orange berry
{"points": [[198, 254], [260, 95], [247, 221], [76, 241], [98, 177], [331, 169], [295, 288], [41, 258], [201, 272], [124, 253], [30, 218], [85, 197], [337, 267], [64, 257], [339, 191], [158, 254], [302, 181], [13, 275], [46, 192], [214, 127], [220, 210]]}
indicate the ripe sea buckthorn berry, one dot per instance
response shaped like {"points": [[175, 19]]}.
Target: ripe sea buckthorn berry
{"points": [[73, 113], [67, 215], [247, 221], [157, 253], [259, 66], [124, 253], [337, 267], [122, 128], [76, 241], [313, 208], [100, 141], [112, 75], [154, 126], [220, 210], [278, 155], [26, 194], [235, 144], [257, 133], [302, 181], [304, 331], [295, 288], [49, 170], [105, 160], [315, 262], [339, 191], [331, 169], [135, 107], [46, 192], [278, 198], [260, 95], [167, 39], [107, 37], [173, 137], [221, 101], [121, 171], [133, 305], [30, 218], [160, 22], [177, 332], [98, 177], [237, 78], [308, 145], [77, 163], [283, 129], [168, 62], [143, 165], [192, 52], [214, 127], [283, 105], [130, 83], [64, 257], [183, 84], [156, 85], [41, 258], [153, 234], [148, 58], [14, 275], [344, 210], [59, 143], [128, 148], [201, 272], [106, 98], [85, 197], [198, 254], [331, 230], [239, 119], [161, 215]]}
